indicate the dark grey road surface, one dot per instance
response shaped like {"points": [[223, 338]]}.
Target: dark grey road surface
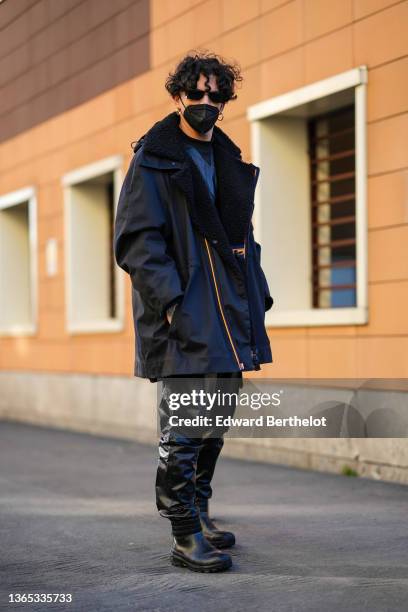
{"points": [[77, 515]]}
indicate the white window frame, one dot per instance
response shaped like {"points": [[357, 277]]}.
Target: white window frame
{"points": [[112, 164], [26, 194], [356, 79]]}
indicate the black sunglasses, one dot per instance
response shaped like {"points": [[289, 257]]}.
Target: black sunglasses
{"points": [[197, 94]]}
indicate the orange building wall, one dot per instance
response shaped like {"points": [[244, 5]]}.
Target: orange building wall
{"points": [[280, 46]]}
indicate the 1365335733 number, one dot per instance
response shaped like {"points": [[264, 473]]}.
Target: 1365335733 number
{"points": [[40, 597]]}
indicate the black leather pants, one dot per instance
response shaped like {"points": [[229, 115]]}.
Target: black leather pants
{"points": [[186, 464]]}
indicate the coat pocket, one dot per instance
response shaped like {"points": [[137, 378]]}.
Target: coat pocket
{"points": [[172, 326]]}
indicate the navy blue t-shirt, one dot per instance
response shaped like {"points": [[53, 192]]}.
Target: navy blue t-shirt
{"points": [[201, 152]]}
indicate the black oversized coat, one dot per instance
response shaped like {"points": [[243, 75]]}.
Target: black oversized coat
{"points": [[176, 245]]}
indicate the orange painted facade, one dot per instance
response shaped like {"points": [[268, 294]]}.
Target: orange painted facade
{"points": [[281, 46]]}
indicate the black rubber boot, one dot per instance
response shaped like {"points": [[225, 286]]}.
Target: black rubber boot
{"points": [[197, 554], [217, 537]]}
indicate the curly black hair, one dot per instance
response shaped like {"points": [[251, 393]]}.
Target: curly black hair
{"points": [[195, 63]]}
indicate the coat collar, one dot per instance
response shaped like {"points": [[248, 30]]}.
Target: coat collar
{"points": [[227, 224]]}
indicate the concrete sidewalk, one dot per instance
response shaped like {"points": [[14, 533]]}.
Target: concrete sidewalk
{"points": [[78, 515]]}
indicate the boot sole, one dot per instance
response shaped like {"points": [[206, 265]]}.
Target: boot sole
{"points": [[181, 562], [220, 544]]}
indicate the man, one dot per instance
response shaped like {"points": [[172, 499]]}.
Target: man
{"points": [[183, 233]]}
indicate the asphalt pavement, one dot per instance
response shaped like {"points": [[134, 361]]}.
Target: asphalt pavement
{"points": [[78, 516]]}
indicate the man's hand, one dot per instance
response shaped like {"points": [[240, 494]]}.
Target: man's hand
{"points": [[170, 312]]}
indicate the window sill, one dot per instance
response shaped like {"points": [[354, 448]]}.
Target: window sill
{"points": [[18, 330], [317, 317], [98, 326]]}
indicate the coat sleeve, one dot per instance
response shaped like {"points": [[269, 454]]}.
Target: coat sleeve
{"points": [[140, 245], [268, 297]]}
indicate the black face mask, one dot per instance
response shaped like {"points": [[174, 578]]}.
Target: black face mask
{"points": [[201, 117]]}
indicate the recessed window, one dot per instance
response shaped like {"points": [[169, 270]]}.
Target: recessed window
{"points": [[310, 209], [93, 283], [18, 263]]}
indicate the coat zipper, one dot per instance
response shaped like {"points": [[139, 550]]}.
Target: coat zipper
{"points": [[240, 364], [254, 352]]}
